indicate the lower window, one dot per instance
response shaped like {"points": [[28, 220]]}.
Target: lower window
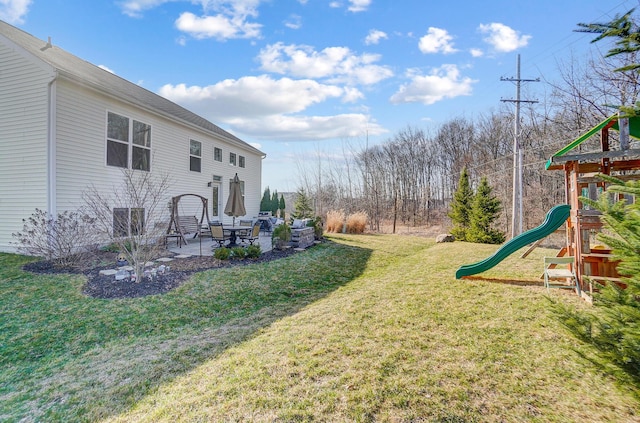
{"points": [[128, 222]]}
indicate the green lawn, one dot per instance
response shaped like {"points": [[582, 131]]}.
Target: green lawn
{"points": [[363, 328]]}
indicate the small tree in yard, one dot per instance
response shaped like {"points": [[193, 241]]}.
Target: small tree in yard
{"points": [[461, 207], [282, 206], [612, 328], [67, 240], [265, 203], [302, 206], [485, 209], [133, 216]]}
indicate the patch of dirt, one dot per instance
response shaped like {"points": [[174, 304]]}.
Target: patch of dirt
{"points": [[100, 286]]}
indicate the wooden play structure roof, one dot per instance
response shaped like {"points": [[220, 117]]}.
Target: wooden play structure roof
{"points": [[612, 122]]}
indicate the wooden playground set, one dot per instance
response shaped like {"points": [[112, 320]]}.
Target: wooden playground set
{"points": [[583, 260]]}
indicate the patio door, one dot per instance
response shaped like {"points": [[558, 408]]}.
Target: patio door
{"points": [[216, 199]]}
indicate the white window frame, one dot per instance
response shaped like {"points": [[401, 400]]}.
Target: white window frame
{"points": [[192, 156], [217, 157], [233, 159], [130, 142], [242, 162]]}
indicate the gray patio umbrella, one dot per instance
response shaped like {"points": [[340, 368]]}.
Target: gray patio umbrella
{"points": [[235, 203]]}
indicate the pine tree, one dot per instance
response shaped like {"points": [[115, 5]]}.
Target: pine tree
{"points": [[627, 33], [274, 203], [265, 203], [461, 207], [485, 209], [302, 206], [282, 206], [612, 327]]}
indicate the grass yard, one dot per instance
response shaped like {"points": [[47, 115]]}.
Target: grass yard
{"points": [[363, 328]]}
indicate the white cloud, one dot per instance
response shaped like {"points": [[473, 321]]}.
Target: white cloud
{"points": [[268, 108], [359, 5], [339, 64], [443, 82], [219, 26], [437, 40], [476, 52], [309, 128], [252, 95], [335, 4], [375, 36], [13, 11], [294, 22], [503, 38], [134, 8], [220, 19]]}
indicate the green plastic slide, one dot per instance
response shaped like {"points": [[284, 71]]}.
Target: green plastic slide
{"points": [[555, 218]]}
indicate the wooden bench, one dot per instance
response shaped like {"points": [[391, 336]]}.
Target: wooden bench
{"points": [[189, 225]]}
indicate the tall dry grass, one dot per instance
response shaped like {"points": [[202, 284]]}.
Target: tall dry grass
{"points": [[335, 221], [356, 223]]}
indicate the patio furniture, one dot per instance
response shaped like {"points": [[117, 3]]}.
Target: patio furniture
{"points": [[245, 223], [218, 235], [252, 235], [565, 276], [234, 230]]}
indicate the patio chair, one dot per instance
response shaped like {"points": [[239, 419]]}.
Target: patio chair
{"points": [[218, 235], [565, 277], [245, 223], [253, 235]]}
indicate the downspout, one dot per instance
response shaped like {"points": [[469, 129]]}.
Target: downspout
{"points": [[51, 147]]}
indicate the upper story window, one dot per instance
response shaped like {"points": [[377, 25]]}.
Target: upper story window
{"points": [[217, 154], [232, 159], [128, 143], [195, 156], [241, 161]]}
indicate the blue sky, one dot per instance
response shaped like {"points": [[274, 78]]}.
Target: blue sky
{"points": [[302, 79]]}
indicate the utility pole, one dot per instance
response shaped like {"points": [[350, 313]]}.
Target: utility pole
{"points": [[516, 211]]}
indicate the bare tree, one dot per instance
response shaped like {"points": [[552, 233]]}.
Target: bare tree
{"points": [[132, 215]]}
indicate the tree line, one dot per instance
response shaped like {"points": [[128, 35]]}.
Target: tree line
{"points": [[410, 178]]}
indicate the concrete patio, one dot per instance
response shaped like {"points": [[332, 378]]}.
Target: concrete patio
{"points": [[205, 245]]}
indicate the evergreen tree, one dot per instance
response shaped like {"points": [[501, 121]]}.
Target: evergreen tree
{"points": [[302, 206], [485, 209], [282, 206], [265, 203], [612, 326], [274, 204], [627, 32], [461, 207]]}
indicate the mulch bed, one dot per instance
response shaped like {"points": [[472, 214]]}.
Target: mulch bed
{"points": [[100, 286]]}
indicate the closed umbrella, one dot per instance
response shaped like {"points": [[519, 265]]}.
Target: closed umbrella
{"points": [[235, 203]]}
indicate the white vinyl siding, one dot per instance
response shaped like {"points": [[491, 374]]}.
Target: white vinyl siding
{"points": [[23, 141], [28, 92]]}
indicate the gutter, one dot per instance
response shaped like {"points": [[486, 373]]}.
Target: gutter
{"points": [[52, 204]]}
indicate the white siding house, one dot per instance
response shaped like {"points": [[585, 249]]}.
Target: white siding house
{"points": [[59, 121]]}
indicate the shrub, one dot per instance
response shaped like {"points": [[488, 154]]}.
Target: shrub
{"points": [[253, 251], [222, 253], [238, 253], [335, 221], [356, 223], [281, 235], [67, 240], [316, 224]]}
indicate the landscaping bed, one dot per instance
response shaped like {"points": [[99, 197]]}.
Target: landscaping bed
{"points": [[102, 286]]}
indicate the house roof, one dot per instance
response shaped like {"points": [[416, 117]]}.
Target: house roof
{"points": [[72, 67], [611, 122]]}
